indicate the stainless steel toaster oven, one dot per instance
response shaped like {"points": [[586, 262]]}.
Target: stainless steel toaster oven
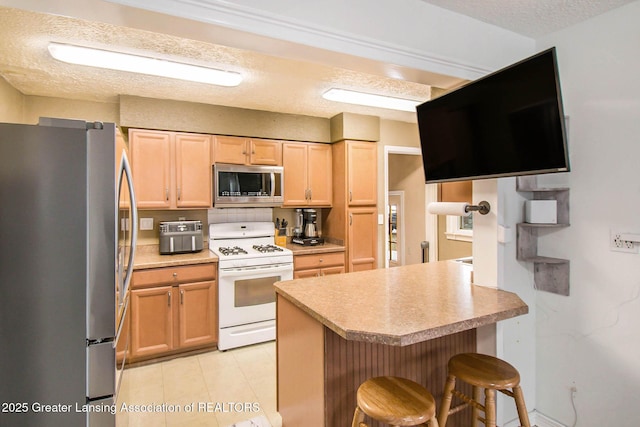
{"points": [[180, 237]]}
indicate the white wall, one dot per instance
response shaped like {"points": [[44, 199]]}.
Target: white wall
{"points": [[495, 264], [591, 339]]}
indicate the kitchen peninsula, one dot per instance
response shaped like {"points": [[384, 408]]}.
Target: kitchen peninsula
{"points": [[334, 332]]}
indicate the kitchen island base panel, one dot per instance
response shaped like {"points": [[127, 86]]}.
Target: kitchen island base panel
{"points": [[300, 366], [319, 372]]}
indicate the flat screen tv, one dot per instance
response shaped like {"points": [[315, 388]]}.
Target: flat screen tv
{"points": [[508, 123]]}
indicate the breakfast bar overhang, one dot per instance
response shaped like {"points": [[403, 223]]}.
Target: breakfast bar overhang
{"points": [[334, 332]]}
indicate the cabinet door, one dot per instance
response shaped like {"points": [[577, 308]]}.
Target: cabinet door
{"points": [[230, 149], [294, 160], [198, 314], [320, 178], [361, 170], [265, 152], [193, 170], [151, 321], [361, 248], [151, 167]]}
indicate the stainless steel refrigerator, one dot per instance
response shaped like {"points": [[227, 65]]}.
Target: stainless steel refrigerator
{"points": [[64, 271]]}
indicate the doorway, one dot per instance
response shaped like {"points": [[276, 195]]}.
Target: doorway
{"points": [[403, 172]]}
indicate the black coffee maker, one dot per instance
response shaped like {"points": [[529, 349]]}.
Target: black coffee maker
{"points": [[309, 229], [310, 218]]}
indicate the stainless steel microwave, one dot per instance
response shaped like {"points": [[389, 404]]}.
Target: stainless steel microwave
{"points": [[247, 186]]}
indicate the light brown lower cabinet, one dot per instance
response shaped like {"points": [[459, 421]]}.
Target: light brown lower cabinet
{"points": [[361, 235], [172, 317], [314, 265]]}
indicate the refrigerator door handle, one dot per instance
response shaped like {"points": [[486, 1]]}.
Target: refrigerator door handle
{"points": [[125, 169]]}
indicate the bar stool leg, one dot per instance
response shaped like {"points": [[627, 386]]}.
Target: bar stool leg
{"points": [[358, 417], [446, 400], [490, 407], [474, 409], [522, 408]]}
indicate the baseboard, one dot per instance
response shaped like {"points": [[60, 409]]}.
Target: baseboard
{"points": [[537, 419]]}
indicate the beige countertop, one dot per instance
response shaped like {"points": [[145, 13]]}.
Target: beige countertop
{"points": [[317, 249], [402, 305], [149, 257]]}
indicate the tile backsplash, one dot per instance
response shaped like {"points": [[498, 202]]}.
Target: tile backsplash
{"points": [[213, 216], [151, 237], [218, 215]]}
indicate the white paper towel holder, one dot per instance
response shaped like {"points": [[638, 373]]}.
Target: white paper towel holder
{"points": [[439, 208]]}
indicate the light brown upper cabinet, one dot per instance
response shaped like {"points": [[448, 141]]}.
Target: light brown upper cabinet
{"points": [[361, 173], [247, 151], [308, 177], [170, 169]]}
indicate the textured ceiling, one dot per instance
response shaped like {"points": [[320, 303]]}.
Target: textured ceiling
{"points": [[532, 18], [281, 84], [270, 83]]}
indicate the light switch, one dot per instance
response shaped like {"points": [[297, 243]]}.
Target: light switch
{"points": [[146, 223], [380, 219]]}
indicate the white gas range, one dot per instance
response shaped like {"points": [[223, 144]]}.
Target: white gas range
{"points": [[249, 264]]}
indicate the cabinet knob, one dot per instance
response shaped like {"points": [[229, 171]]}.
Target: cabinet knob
{"points": [[169, 299], [320, 260], [175, 275]]}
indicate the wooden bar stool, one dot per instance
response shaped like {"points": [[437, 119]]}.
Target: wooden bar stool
{"points": [[489, 373], [395, 401]]}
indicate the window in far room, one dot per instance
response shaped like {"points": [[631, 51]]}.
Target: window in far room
{"points": [[458, 227]]}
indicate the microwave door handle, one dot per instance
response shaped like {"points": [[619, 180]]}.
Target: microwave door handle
{"points": [[273, 184], [125, 169]]}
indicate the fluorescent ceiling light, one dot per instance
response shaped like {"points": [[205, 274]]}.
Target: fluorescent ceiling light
{"points": [[141, 64], [371, 100]]}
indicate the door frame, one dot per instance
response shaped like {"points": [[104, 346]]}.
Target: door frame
{"points": [[431, 195]]}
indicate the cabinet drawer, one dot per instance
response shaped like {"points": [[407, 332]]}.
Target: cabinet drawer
{"points": [[173, 275], [329, 259]]}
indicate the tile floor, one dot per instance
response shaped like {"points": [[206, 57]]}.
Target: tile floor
{"points": [[217, 389]]}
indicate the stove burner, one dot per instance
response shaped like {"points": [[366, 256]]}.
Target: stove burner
{"points": [[267, 248], [236, 250]]}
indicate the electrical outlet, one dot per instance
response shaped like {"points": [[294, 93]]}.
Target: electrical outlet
{"points": [[617, 244], [146, 223]]}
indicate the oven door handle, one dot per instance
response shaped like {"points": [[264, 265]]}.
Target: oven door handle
{"points": [[261, 270]]}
